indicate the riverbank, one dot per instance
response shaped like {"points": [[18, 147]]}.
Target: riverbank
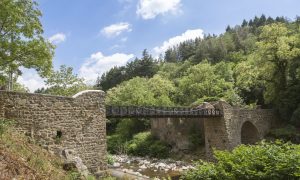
{"points": [[150, 167]]}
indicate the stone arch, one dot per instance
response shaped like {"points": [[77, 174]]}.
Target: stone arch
{"points": [[249, 133]]}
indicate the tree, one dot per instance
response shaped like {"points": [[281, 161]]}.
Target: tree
{"points": [[170, 55], [244, 23], [21, 40], [248, 80], [63, 83], [277, 48], [203, 82], [142, 92], [144, 67], [112, 78]]}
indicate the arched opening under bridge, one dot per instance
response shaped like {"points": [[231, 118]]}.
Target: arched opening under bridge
{"points": [[249, 133]]}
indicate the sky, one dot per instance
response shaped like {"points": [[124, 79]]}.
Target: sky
{"points": [[93, 36]]}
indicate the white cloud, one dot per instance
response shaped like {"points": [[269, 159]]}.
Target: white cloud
{"points": [[115, 30], [124, 39], [57, 38], [187, 35], [31, 80], [149, 9], [98, 64]]}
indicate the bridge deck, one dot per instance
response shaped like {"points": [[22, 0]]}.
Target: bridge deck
{"points": [[159, 112]]}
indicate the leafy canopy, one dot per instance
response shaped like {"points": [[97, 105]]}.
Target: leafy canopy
{"points": [[21, 40], [63, 82]]}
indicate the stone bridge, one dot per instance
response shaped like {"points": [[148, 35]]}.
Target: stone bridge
{"points": [[76, 126], [219, 124]]}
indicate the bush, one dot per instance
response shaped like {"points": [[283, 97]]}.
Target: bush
{"points": [[144, 144], [262, 161], [288, 133], [116, 144], [4, 125], [296, 117], [110, 159], [196, 138], [128, 127]]}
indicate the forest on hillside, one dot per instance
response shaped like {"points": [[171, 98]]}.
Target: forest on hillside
{"points": [[254, 63]]}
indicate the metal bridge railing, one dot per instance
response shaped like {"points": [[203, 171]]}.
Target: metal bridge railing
{"points": [[135, 111]]}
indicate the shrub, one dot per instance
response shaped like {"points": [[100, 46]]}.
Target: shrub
{"points": [[116, 144], [296, 117], [195, 137], [110, 159], [288, 133], [4, 125], [262, 161], [144, 144], [128, 127]]}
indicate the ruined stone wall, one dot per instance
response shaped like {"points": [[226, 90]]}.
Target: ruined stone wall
{"points": [[75, 124], [177, 131]]}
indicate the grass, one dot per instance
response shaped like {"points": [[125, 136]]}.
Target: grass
{"points": [[21, 158], [34, 160]]}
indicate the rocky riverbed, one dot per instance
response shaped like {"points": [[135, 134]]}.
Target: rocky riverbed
{"points": [[150, 167]]}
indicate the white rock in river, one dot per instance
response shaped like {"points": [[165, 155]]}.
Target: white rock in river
{"points": [[143, 166], [161, 165], [116, 164]]}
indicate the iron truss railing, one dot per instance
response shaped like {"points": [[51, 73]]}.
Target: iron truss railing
{"points": [[159, 112]]}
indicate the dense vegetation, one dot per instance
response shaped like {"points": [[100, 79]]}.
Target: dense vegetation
{"points": [[63, 83], [255, 63], [21, 41], [140, 145], [264, 161]]}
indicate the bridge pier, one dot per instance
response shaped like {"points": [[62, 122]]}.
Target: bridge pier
{"points": [[235, 127], [216, 131]]}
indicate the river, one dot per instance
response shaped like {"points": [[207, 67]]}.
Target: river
{"points": [[150, 167]]}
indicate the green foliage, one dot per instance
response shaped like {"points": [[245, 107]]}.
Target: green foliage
{"points": [[144, 144], [25, 154], [110, 159], [63, 83], [21, 38], [128, 127], [125, 130], [74, 175], [255, 63], [142, 92], [116, 144], [277, 48], [205, 80], [196, 138], [204, 170], [288, 133], [144, 67], [296, 117], [141, 144], [262, 161], [4, 125]]}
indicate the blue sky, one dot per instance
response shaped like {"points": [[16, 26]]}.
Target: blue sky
{"points": [[94, 35]]}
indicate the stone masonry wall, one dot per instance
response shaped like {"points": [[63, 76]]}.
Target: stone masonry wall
{"points": [[176, 131], [225, 132], [219, 132], [75, 124]]}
